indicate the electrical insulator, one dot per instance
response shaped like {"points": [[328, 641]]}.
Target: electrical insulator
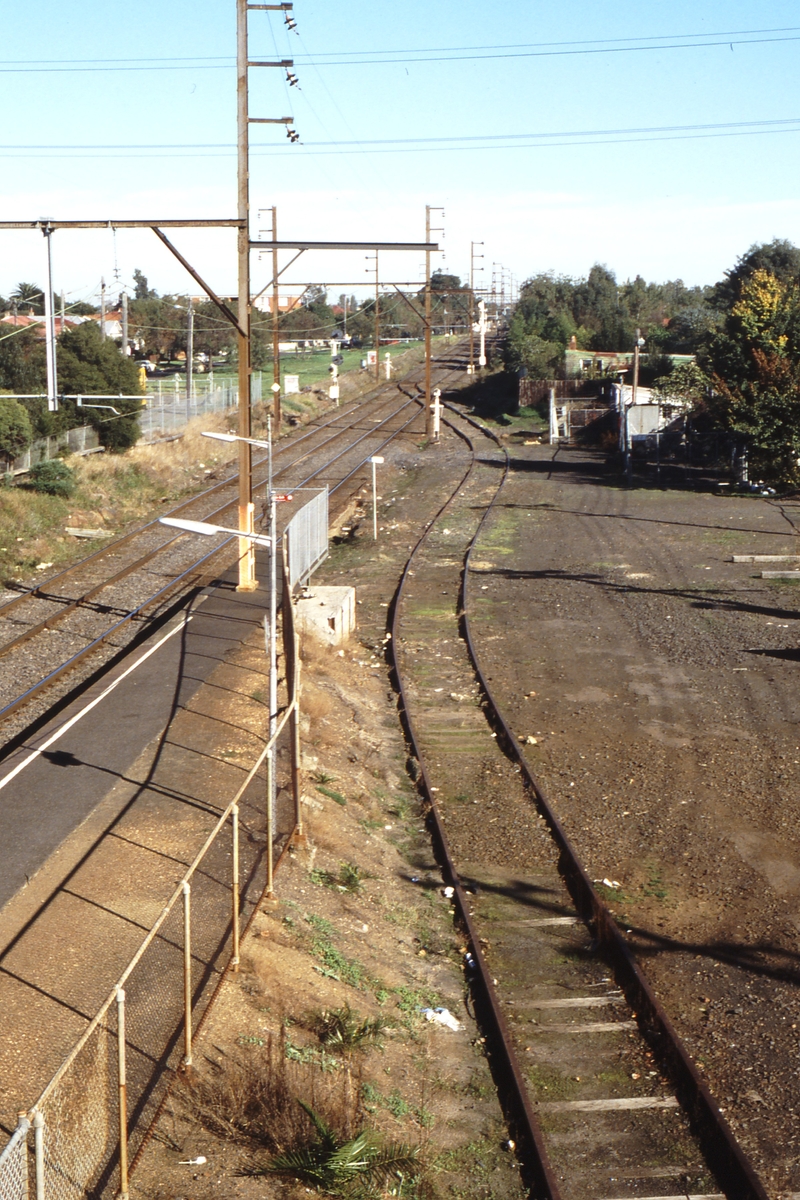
{"points": [[291, 24], [292, 134], [292, 79]]}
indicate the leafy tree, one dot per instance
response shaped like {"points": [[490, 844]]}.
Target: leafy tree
{"points": [[91, 365], [754, 366], [159, 324], [779, 258], [685, 384], [16, 433], [602, 314], [22, 359], [141, 289]]}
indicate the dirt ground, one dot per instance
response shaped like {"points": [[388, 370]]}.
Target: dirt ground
{"points": [[387, 948], [659, 679]]}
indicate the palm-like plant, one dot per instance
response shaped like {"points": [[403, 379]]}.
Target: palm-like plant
{"points": [[342, 1030], [28, 295], [343, 1168]]}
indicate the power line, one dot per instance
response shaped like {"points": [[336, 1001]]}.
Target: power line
{"points": [[485, 141], [593, 50], [585, 46]]}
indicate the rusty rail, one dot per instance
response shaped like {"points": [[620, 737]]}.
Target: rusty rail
{"points": [[725, 1156]]}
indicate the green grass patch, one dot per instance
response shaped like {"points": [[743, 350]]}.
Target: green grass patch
{"points": [[331, 794], [334, 963]]}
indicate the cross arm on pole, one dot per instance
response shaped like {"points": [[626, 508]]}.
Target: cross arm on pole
{"points": [[44, 225], [213, 297], [403, 296], [275, 278], [304, 245]]}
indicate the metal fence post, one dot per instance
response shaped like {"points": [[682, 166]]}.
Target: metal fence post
{"points": [[23, 1126], [270, 786], [295, 731], [38, 1152], [235, 886], [123, 1096], [187, 975]]}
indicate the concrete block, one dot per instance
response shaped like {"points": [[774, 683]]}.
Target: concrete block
{"points": [[327, 613]]}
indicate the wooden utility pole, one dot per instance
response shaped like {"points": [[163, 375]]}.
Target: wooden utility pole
{"points": [[276, 335], [377, 324], [428, 410], [247, 555]]}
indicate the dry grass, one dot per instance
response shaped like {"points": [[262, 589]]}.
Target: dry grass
{"points": [[315, 703], [253, 1099], [113, 491]]}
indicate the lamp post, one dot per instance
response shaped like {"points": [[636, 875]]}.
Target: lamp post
{"points": [[272, 621]]}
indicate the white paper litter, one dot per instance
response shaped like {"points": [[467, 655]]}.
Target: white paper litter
{"points": [[441, 1016]]}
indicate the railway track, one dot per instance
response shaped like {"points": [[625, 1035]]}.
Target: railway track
{"points": [[85, 614], [602, 1095]]}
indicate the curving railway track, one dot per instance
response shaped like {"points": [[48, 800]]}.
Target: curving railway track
{"points": [[83, 616], [603, 1096]]}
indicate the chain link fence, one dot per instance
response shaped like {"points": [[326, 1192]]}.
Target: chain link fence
{"points": [[306, 536], [92, 1118], [83, 439], [14, 1164], [167, 408]]}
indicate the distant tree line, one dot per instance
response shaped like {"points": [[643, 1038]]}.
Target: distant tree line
{"points": [[598, 313], [744, 334]]}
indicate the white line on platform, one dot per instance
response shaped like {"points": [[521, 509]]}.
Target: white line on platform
{"points": [[621, 1104], [59, 733]]}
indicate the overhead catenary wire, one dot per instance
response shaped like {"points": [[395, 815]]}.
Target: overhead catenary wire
{"points": [[687, 41], [488, 141]]}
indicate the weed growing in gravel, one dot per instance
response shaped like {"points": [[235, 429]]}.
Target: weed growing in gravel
{"points": [[342, 1031], [550, 1084], [348, 878], [356, 1167], [655, 885], [400, 808], [611, 895], [311, 1056], [321, 781], [397, 1105], [476, 1159], [335, 964]]}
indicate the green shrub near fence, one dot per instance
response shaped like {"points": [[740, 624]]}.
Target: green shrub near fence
{"points": [[53, 477]]}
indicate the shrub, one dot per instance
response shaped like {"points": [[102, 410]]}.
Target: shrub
{"points": [[53, 477], [16, 433]]}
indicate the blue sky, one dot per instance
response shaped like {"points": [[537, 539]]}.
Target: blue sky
{"points": [[584, 118]]}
